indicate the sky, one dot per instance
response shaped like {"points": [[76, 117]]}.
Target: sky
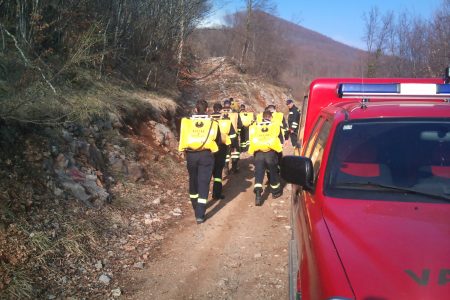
{"points": [[341, 20]]}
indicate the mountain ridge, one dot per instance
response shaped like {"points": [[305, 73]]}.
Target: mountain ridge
{"points": [[307, 54]]}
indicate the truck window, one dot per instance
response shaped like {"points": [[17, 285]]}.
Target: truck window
{"points": [[313, 136], [319, 146], [386, 159]]}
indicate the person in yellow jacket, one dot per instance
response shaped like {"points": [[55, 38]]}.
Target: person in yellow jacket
{"points": [[247, 118], [229, 141], [234, 154], [276, 117], [199, 139], [234, 104], [265, 144]]}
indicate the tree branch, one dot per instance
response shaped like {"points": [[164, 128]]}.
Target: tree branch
{"points": [[26, 60]]}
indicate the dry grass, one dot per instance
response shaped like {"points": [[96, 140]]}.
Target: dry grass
{"points": [[80, 99], [20, 285], [80, 239]]}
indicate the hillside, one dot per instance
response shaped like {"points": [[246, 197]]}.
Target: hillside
{"points": [[304, 54], [218, 78], [84, 204]]}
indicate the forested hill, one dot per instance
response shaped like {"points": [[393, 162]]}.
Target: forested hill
{"points": [[398, 45], [281, 51]]}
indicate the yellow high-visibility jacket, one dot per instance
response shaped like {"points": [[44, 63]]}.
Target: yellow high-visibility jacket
{"points": [[264, 136], [246, 118], [277, 117], [233, 116], [225, 128], [198, 133], [259, 117], [235, 106]]}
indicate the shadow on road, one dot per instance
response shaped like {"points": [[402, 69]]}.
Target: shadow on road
{"points": [[235, 185]]}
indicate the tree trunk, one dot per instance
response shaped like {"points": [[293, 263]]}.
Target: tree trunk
{"points": [[247, 30]]}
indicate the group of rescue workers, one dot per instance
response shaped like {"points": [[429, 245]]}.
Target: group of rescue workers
{"points": [[212, 142]]}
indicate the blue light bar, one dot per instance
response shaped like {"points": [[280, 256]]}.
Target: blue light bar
{"points": [[369, 88], [443, 88]]}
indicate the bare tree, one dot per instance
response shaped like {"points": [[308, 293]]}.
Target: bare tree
{"points": [[379, 30], [409, 45]]}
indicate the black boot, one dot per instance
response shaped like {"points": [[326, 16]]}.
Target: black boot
{"points": [[258, 199], [277, 193]]}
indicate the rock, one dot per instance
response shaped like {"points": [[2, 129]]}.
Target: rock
{"points": [[176, 212], [82, 147], [51, 297], [67, 136], [129, 248], [115, 120], [135, 171], [139, 265], [105, 279], [47, 164], [98, 192], [95, 157], [162, 134], [257, 255], [77, 190], [157, 237], [61, 161], [151, 221], [223, 282], [157, 201], [57, 191], [76, 175], [116, 292], [118, 166], [99, 265]]}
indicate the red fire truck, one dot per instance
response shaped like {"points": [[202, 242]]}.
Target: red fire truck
{"points": [[371, 191]]}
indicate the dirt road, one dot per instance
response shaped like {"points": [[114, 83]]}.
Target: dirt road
{"points": [[240, 252]]}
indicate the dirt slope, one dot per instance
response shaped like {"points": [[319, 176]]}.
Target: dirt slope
{"points": [[240, 252], [217, 78]]}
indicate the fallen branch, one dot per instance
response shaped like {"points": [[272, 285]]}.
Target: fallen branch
{"points": [[25, 59]]}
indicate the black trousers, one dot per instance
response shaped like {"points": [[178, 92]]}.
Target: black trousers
{"points": [[200, 165], [219, 164], [267, 161], [235, 156], [244, 138], [294, 139]]}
